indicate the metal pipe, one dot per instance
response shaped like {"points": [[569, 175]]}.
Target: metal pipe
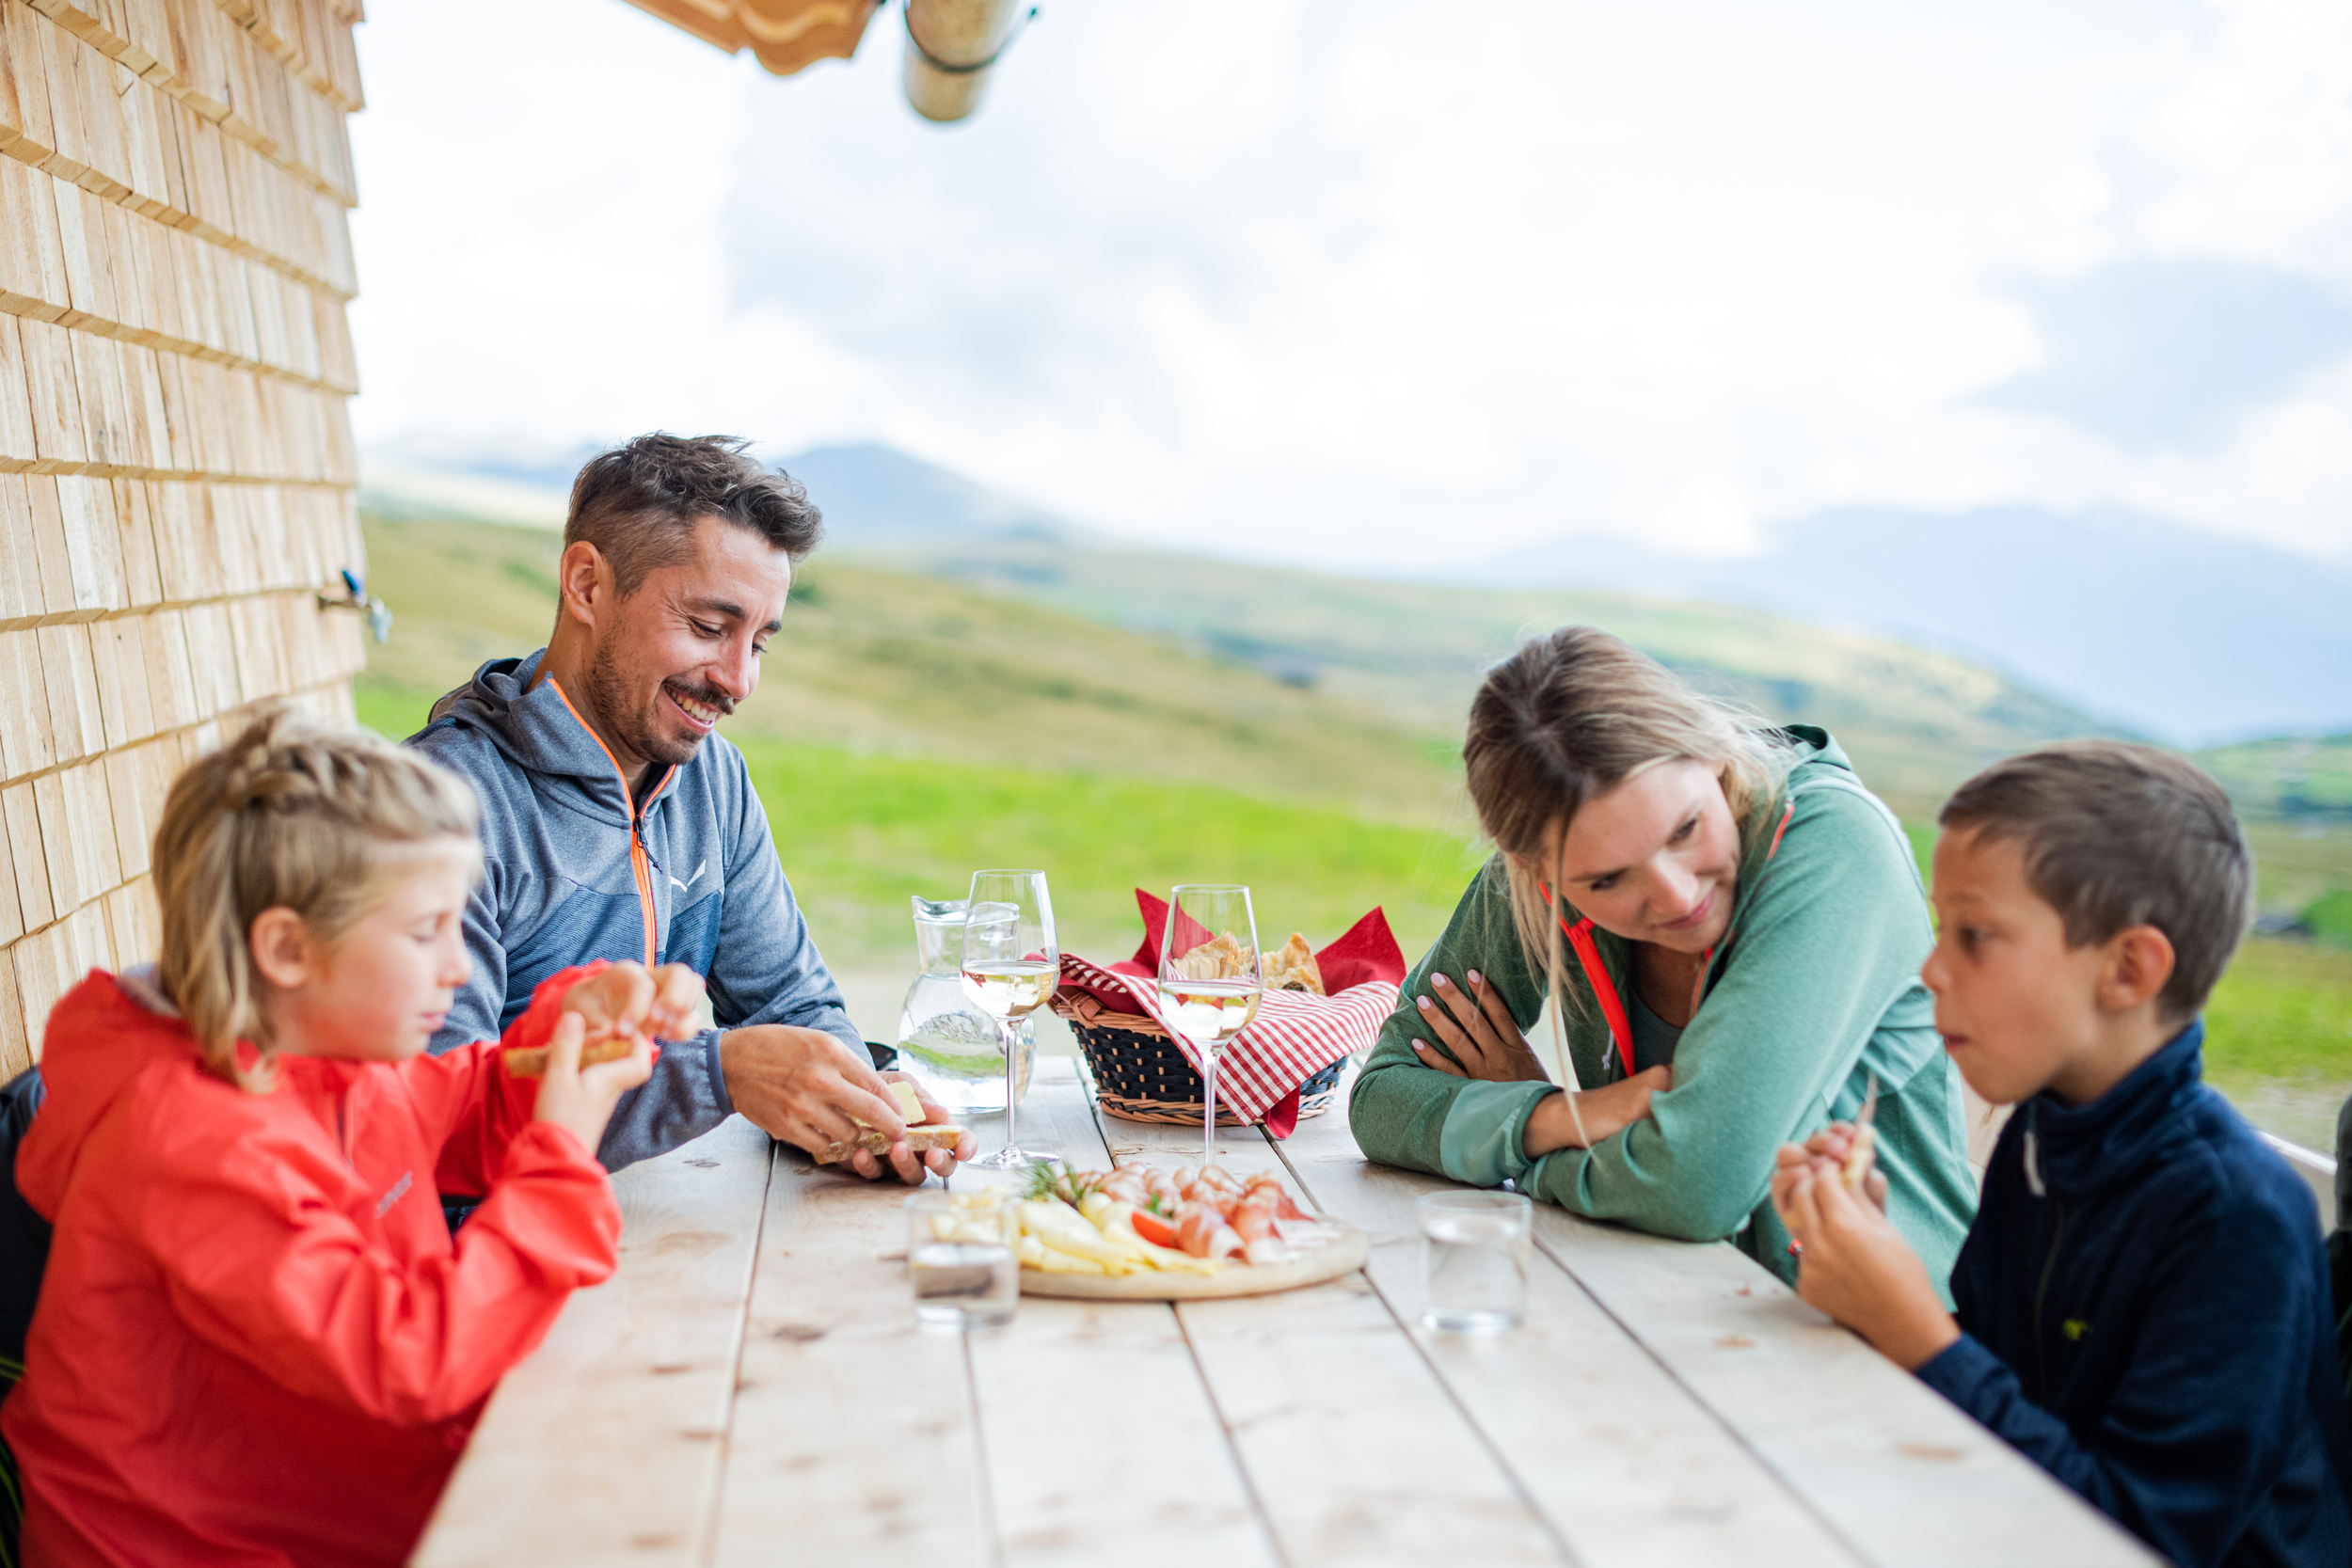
{"points": [[952, 45]]}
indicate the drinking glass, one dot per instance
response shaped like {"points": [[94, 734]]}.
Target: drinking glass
{"points": [[960, 1258], [1473, 1259], [1210, 979], [1010, 967]]}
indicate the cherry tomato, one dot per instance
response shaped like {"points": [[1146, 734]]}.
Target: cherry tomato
{"points": [[1152, 1228]]}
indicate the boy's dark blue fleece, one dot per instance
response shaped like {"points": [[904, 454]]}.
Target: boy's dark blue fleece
{"points": [[2145, 1301]]}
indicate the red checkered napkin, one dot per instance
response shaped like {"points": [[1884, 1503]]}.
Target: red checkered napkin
{"points": [[1296, 1035]]}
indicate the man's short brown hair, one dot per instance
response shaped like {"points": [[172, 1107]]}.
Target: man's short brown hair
{"points": [[2117, 835], [639, 503]]}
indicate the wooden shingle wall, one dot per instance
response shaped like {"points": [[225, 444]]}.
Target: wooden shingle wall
{"points": [[177, 481]]}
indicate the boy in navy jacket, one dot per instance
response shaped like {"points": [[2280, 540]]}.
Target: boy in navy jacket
{"points": [[2144, 1299]]}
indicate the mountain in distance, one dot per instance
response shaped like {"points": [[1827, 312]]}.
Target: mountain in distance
{"points": [[1413, 651], [2188, 636], [514, 480], [876, 497], [2163, 629], [871, 496]]}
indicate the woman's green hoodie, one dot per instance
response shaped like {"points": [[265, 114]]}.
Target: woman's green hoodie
{"points": [[1816, 988]]}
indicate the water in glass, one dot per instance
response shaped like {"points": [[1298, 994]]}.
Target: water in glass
{"points": [[945, 1043], [961, 1259], [1474, 1250]]}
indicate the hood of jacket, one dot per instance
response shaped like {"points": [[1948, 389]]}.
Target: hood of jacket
{"points": [[104, 1037], [540, 729], [98, 1043]]}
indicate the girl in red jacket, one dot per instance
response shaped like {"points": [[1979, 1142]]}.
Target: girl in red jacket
{"points": [[257, 1341]]}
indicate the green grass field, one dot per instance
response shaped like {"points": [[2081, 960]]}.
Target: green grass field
{"points": [[859, 833]]}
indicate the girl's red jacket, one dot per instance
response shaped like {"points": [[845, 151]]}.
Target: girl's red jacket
{"points": [[256, 1342]]}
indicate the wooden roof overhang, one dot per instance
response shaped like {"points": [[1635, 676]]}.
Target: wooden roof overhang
{"points": [[784, 35], [952, 45]]}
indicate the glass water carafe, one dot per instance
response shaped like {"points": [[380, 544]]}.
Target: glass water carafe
{"points": [[943, 1041]]}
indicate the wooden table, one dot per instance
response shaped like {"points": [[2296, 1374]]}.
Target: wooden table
{"points": [[752, 1388]]}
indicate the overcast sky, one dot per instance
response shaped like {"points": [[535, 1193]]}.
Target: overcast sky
{"points": [[1305, 279]]}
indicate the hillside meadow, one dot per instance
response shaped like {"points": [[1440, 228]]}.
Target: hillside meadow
{"points": [[910, 728]]}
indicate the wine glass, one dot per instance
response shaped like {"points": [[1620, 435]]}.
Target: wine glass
{"points": [[1010, 966], [1210, 979]]}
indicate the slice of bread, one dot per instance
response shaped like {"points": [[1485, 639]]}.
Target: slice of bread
{"points": [[532, 1061], [920, 1139], [1295, 967]]}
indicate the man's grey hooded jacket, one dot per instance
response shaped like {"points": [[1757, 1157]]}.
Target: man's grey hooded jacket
{"points": [[569, 876]]}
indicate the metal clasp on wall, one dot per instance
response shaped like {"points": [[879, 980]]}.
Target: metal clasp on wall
{"points": [[355, 597]]}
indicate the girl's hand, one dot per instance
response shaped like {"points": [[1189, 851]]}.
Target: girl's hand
{"points": [[1480, 1032], [1856, 1266], [581, 1099], [1595, 1114], [625, 999]]}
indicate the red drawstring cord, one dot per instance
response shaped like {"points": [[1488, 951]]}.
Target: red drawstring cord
{"points": [[1612, 1006]]}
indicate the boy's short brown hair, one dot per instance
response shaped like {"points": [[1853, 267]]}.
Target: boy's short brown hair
{"points": [[639, 503], [2117, 835]]}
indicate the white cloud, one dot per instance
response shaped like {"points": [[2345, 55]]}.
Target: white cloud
{"points": [[1300, 278]]}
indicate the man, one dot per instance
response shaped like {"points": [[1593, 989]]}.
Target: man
{"points": [[618, 824]]}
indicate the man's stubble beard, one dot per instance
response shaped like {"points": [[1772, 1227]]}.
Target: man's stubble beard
{"points": [[608, 694]]}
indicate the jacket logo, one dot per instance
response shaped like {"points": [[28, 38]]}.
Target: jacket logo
{"points": [[690, 880], [2075, 1328], [385, 1203]]}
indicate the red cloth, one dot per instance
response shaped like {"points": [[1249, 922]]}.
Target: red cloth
{"points": [[1297, 1033], [257, 1341]]}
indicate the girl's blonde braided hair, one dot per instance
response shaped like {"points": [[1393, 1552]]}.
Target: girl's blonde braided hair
{"points": [[285, 815]]}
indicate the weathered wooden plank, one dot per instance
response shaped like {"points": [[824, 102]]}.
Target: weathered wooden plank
{"points": [[1356, 1451], [854, 1437], [1625, 1464], [605, 1446], [1890, 1468], [1138, 1471], [1899, 1472]]}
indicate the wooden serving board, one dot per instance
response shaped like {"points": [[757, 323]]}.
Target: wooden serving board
{"points": [[1344, 1253]]}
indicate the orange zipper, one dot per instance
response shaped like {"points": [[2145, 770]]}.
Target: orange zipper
{"points": [[640, 864]]}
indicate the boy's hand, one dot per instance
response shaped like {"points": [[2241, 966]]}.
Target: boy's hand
{"points": [[903, 1162], [582, 1098], [1855, 1265], [625, 999], [1834, 1143]]}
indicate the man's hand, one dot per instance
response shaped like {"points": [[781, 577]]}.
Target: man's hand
{"points": [[1854, 1265], [1480, 1032], [804, 1086], [903, 1162]]}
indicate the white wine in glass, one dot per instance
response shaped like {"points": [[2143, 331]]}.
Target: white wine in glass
{"points": [[1010, 967], [1210, 980]]}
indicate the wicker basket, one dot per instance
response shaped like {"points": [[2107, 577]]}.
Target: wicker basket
{"points": [[1140, 1074]]}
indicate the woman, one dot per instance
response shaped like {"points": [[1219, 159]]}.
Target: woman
{"points": [[1731, 930]]}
